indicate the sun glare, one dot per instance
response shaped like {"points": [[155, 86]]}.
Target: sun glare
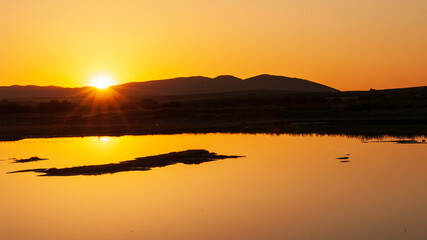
{"points": [[101, 81]]}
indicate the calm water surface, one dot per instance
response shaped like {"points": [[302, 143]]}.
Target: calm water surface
{"points": [[287, 187]]}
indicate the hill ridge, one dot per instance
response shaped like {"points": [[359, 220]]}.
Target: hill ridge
{"points": [[176, 86]]}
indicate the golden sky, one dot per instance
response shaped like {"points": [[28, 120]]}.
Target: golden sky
{"points": [[344, 44]]}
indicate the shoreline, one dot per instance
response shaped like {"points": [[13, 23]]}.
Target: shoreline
{"points": [[365, 130]]}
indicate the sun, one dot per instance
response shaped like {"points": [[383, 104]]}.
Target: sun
{"points": [[101, 81]]}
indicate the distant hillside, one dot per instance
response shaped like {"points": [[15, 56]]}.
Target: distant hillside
{"points": [[31, 91], [176, 86], [225, 83]]}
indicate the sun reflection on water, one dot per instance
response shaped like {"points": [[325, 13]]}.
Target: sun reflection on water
{"points": [[103, 139]]}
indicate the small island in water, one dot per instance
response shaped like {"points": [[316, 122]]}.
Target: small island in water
{"points": [[195, 156]]}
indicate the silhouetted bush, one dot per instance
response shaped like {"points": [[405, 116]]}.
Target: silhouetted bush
{"points": [[171, 104], [15, 108], [55, 106], [149, 104]]}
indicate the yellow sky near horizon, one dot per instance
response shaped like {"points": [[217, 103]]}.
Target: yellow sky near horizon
{"points": [[348, 45]]}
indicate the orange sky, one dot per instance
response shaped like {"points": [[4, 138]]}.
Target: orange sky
{"points": [[344, 44]]}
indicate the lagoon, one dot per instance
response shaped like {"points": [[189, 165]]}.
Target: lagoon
{"points": [[285, 187]]}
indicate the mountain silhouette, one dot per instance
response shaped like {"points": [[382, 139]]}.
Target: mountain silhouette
{"points": [[175, 86], [224, 83]]}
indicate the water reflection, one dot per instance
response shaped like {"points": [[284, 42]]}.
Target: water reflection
{"points": [[360, 131], [103, 139], [401, 141], [286, 187]]}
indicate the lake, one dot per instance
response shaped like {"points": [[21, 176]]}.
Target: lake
{"points": [[285, 187]]}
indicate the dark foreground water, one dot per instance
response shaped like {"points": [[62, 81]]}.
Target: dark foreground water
{"points": [[286, 187]]}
